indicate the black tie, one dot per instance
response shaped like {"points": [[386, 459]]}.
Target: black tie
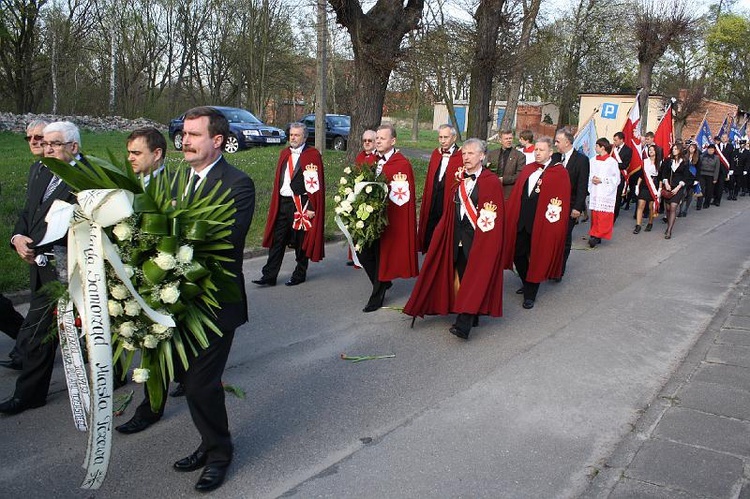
{"points": [[193, 186], [472, 176]]}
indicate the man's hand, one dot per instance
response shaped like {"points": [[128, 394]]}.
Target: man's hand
{"points": [[575, 214], [21, 243], [309, 214]]}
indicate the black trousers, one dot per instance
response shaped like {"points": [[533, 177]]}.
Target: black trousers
{"points": [[735, 183], [719, 189], [10, 324], [204, 394], [521, 260], [568, 241], [464, 322], [707, 188], [37, 346], [620, 188], [283, 236], [369, 257]]}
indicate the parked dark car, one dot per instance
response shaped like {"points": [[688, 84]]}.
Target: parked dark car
{"points": [[337, 130], [245, 130]]}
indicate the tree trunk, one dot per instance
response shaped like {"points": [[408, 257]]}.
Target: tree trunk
{"points": [[516, 76], [415, 108], [645, 72], [488, 16], [321, 84]]}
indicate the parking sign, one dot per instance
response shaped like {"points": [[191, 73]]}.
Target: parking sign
{"points": [[609, 110]]}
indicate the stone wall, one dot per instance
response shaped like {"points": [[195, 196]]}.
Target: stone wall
{"points": [[17, 122]]}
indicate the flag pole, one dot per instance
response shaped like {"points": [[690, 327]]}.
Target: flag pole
{"points": [[585, 123]]}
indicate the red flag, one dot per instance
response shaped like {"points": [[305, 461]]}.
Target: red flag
{"points": [[664, 135], [632, 133]]}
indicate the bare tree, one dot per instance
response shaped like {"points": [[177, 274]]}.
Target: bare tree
{"points": [[488, 17], [657, 26], [376, 42]]}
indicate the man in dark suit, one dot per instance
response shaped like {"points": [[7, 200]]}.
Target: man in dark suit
{"points": [[62, 141], [506, 162], [624, 154], [577, 165], [205, 131], [10, 319], [727, 150]]}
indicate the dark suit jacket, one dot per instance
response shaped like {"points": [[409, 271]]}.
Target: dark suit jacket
{"points": [[242, 191], [626, 155], [31, 219], [578, 170], [510, 170]]}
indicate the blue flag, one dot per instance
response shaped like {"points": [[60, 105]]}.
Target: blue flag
{"points": [[586, 139], [734, 133], [724, 127], [704, 137]]}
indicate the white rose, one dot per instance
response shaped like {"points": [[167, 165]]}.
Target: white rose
{"points": [[169, 294], [165, 261], [150, 341], [343, 181], [185, 254], [368, 189], [127, 329], [161, 332], [132, 308], [360, 224], [115, 308], [346, 206], [123, 231], [368, 208], [348, 190], [140, 375], [357, 247], [338, 210], [119, 292], [128, 346], [337, 199], [129, 271], [347, 170]]}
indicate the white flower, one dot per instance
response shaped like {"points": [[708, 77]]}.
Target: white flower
{"points": [[338, 210], [347, 170], [348, 191], [357, 247], [127, 329], [140, 375], [169, 294], [165, 261], [368, 189], [132, 308], [119, 292], [360, 224], [343, 181], [128, 346], [369, 208], [129, 271], [115, 308], [123, 231], [346, 206], [337, 199], [150, 341], [185, 254], [161, 332]]}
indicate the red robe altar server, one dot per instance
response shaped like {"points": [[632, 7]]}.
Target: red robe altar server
{"points": [[604, 177], [536, 222], [297, 211], [463, 272]]}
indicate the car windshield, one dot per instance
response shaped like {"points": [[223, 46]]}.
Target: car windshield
{"points": [[239, 116], [340, 121]]}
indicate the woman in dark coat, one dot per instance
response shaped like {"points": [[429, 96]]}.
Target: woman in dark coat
{"points": [[672, 179]]}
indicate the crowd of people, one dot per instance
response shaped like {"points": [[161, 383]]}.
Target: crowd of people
{"points": [[481, 213]]}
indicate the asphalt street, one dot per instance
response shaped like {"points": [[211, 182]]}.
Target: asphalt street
{"points": [[535, 404]]}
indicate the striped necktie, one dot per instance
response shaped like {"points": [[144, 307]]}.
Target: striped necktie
{"points": [[51, 187]]}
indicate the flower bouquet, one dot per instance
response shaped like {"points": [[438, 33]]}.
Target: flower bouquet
{"points": [[360, 209]]}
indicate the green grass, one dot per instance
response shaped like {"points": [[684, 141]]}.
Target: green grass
{"points": [[259, 163]]}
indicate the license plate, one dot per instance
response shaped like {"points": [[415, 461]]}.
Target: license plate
{"points": [[273, 141]]}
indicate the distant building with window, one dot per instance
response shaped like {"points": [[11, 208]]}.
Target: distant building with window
{"points": [[535, 116]]}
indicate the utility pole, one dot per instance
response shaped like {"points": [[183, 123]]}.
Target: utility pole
{"points": [[322, 83]]}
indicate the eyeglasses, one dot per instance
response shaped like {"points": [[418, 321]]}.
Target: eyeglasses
{"points": [[35, 138], [55, 144], [367, 140]]}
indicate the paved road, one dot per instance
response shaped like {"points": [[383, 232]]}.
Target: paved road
{"points": [[533, 405]]}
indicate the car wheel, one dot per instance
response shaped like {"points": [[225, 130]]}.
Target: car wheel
{"points": [[232, 145], [339, 144], [178, 141]]}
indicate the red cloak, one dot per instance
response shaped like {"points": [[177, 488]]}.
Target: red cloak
{"points": [[313, 244], [365, 159], [398, 243], [454, 162], [549, 234], [481, 289]]}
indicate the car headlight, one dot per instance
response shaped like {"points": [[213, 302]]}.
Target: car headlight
{"points": [[248, 133]]}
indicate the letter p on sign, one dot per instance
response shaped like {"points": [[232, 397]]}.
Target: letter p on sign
{"points": [[609, 111]]}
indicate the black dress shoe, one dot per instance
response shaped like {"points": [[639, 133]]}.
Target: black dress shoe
{"points": [[519, 291], [191, 463], [179, 391], [16, 406], [135, 425], [14, 364], [211, 478], [528, 303], [294, 282], [556, 279], [457, 332], [265, 281]]}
